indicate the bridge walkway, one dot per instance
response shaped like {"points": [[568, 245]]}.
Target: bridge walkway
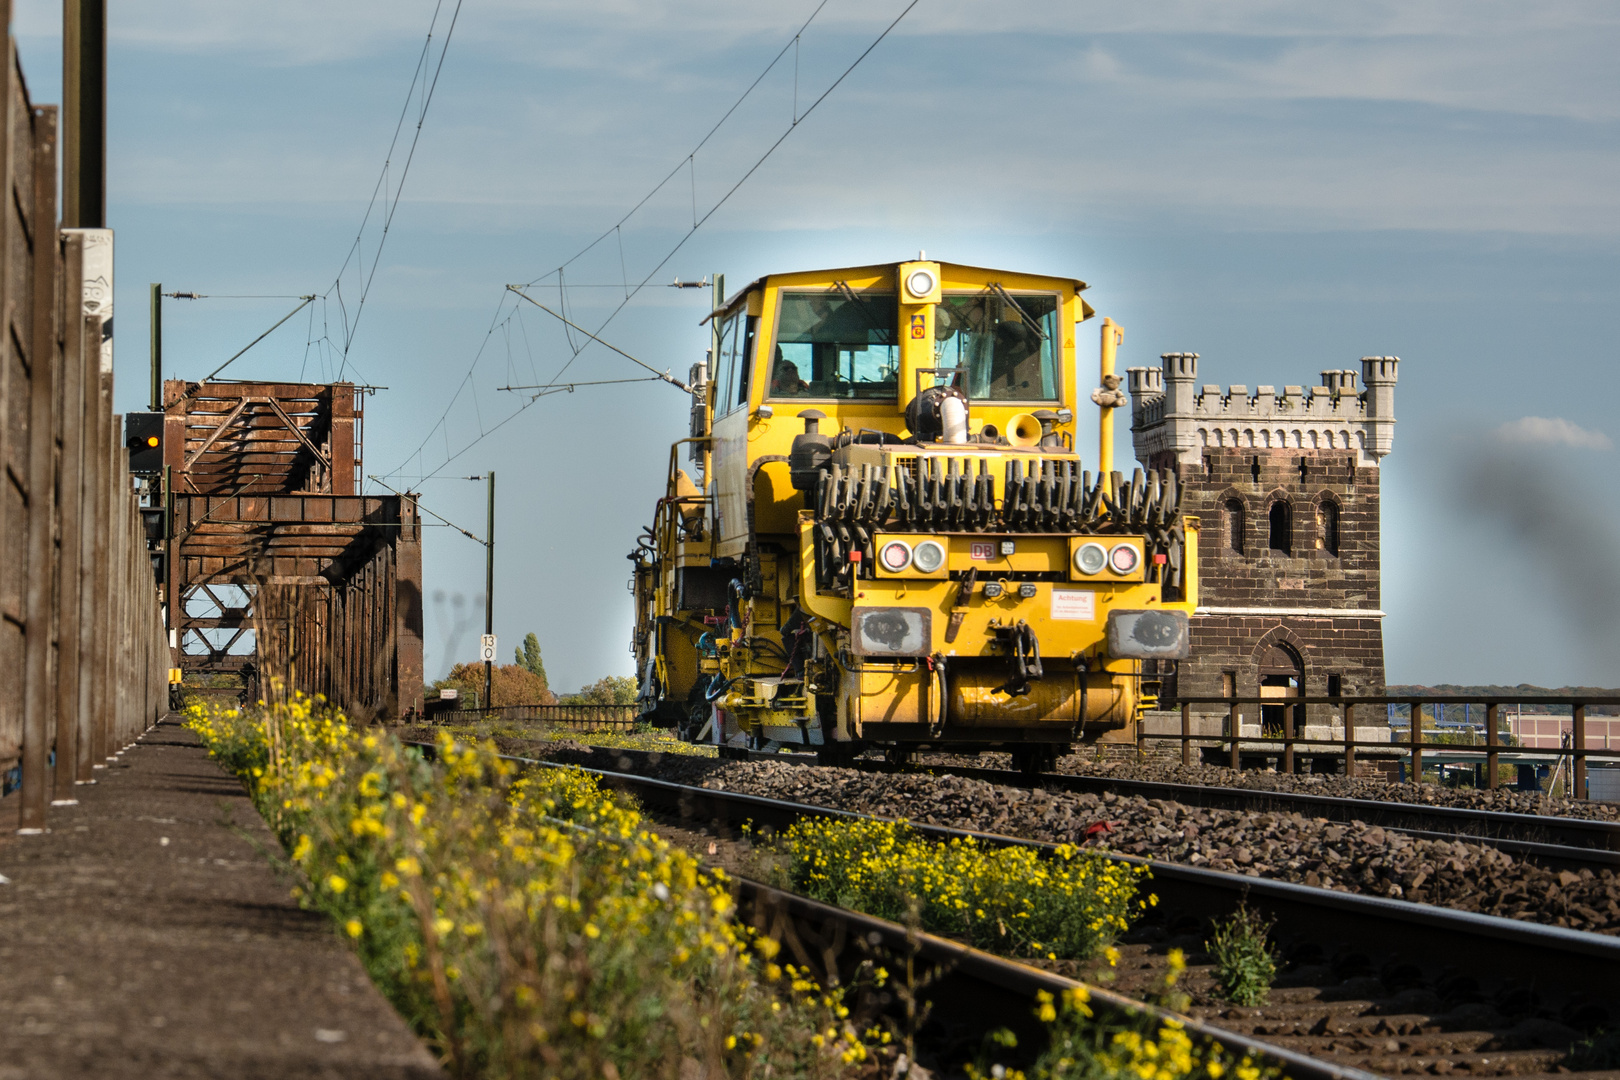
{"points": [[147, 935]]}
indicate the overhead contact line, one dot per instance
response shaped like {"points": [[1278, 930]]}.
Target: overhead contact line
{"points": [[688, 162]]}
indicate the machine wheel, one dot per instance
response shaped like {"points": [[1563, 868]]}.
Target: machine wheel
{"points": [[838, 755], [1033, 760], [697, 710]]}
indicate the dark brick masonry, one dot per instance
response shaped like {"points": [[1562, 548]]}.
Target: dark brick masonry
{"points": [[1233, 491]]}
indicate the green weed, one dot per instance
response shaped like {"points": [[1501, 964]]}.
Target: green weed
{"points": [[1245, 963]]}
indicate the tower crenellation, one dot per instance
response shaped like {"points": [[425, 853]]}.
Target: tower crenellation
{"points": [[1170, 415]]}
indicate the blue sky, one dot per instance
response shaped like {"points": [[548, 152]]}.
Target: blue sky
{"points": [[1280, 187]]}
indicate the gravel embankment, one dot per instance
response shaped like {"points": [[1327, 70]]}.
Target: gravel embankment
{"points": [[1350, 857], [1173, 772]]}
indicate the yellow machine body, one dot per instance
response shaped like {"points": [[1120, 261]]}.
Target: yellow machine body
{"points": [[889, 537]]}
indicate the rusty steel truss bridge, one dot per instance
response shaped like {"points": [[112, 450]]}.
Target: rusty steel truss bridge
{"points": [[274, 560]]}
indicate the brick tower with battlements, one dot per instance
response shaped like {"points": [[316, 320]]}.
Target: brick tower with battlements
{"points": [[1287, 487]]}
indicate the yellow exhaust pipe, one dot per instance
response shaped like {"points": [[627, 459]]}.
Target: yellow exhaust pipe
{"points": [[1113, 336]]}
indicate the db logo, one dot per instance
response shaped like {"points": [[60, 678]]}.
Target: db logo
{"points": [[983, 551]]}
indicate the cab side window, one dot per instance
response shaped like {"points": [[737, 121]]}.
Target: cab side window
{"points": [[745, 361], [733, 367], [725, 366]]}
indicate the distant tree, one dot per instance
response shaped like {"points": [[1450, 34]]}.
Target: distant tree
{"points": [[510, 685], [528, 658], [611, 690]]}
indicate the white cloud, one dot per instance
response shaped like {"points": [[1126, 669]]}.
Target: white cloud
{"points": [[1258, 114], [1553, 431]]}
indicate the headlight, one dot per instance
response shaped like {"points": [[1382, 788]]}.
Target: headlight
{"points": [[919, 283], [895, 556], [1027, 590], [1090, 558], [1148, 635], [1124, 559], [892, 632], [992, 590], [928, 556]]}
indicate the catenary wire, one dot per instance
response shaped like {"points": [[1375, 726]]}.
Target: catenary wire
{"points": [[698, 223], [425, 510], [441, 427], [390, 200], [691, 153]]}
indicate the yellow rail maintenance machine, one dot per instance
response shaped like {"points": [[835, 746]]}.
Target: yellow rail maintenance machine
{"points": [[891, 541]]}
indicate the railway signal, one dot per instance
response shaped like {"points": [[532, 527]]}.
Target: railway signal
{"points": [[143, 435]]}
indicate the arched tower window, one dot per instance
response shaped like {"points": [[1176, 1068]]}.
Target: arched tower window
{"points": [[1234, 526], [1280, 527], [1327, 520]]}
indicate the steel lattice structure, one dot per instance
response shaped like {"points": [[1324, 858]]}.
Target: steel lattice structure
{"points": [[269, 536]]}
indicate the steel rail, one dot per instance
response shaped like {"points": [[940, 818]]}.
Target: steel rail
{"points": [[1583, 840], [981, 991], [1482, 946], [1559, 843]]}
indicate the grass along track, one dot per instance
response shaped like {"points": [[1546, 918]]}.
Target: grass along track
{"points": [[1343, 856], [971, 993], [1372, 982]]}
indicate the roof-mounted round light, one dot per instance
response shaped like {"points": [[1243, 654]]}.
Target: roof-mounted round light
{"points": [[921, 282]]}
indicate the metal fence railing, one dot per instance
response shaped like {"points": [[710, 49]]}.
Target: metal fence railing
{"points": [[1289, 741], [577, 717]]}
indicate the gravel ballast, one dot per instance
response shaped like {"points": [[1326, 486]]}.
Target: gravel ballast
{"points": [[1160, 770], [1347, 856]]}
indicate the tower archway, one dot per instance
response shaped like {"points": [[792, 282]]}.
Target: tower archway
{"points": [[1282, 677]]}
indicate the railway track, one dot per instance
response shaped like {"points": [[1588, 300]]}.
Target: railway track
{"points": [[1478, 825], [974, 992], [1558, 843], [1524, 836], [970, 992], [1386, 986]]}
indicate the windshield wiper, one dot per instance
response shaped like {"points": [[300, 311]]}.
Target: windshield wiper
{"points": [[1016, 306], [866, 311]]}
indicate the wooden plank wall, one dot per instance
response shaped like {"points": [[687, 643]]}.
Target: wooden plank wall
{"points": [[83, 655]]}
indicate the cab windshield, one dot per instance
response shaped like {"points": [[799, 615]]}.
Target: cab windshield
{"points": [[1005, 342], [831, 345]]}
